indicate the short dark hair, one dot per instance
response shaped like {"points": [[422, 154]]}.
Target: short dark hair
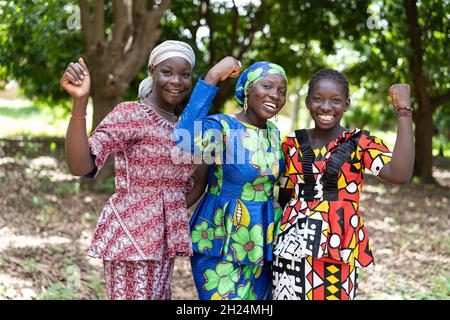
{"points": [[329, 74]]}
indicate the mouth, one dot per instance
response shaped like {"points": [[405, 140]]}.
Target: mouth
{"points": [[326, 118], [270, 105], [176, 92]]}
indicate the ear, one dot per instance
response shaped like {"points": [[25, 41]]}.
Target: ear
{"points": [[307, 102], [151, 71], [347, 105]]}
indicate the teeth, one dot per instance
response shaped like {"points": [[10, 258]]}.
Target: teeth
{"points": [[173, 91], [324, 117], [270, 105]]}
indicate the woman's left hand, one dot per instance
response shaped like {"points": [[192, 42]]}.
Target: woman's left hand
{"points": [[401, 95]]}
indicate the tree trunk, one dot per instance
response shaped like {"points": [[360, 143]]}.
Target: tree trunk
{"points": [[116, 56], [102, 106], [424, 117], [224, 94], [424, 137]]}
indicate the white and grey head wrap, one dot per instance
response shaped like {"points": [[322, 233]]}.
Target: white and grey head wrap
{"points": [[164, 51]]}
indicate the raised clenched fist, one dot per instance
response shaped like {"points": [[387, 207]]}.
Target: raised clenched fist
{"points": [[401, 95], [228, 67], [76, 79]]}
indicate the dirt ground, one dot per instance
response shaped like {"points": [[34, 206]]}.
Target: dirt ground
{"points": [[47, 221]]}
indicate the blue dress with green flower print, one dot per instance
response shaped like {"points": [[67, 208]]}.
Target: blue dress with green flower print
{"points": [[233, 225]]}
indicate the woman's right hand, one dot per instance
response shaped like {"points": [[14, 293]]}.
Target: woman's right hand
{"points": [[76, 79], [228, 67]]}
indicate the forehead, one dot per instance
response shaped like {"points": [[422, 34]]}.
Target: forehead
{"points": [[276, 79], [175, 63], [328, 86]]}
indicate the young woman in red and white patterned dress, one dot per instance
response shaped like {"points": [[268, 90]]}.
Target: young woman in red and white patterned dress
{"points": [[144, 224]]}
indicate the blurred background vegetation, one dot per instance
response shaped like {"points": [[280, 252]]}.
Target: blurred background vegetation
{"points": [[375, 43]]}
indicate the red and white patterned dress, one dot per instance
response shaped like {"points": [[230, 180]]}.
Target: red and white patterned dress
{"points": [[146, 219]]}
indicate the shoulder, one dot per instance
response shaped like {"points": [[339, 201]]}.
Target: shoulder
{"points": [[128, 106], [221, 120], [290, 140], [271, 126], [127, 109], [368, 138], [124, 112]]}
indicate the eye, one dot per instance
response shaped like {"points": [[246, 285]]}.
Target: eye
{"points": [[317, 99], [265, 86], [282, 92], [186, 75], [337, 100], [166, 72]]}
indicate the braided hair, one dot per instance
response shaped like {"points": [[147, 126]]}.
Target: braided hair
{"points": [[328, 74]]}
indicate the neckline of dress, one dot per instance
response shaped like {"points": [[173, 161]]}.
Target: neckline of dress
{"points": [[248, 125], [332, 142], [152, 111]]}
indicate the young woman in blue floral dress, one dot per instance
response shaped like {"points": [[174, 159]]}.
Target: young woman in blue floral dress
{"points": [[232, 227]]}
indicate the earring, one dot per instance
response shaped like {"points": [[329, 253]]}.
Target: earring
{"points": [[245, 105], [276, 118]]}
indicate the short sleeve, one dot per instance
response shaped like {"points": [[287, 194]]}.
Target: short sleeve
{"points": [[287, 145], [375, 153], [120, 129]]}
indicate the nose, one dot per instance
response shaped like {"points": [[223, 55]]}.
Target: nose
{"points": [[326, 106], [274, 94], [176, 80]]}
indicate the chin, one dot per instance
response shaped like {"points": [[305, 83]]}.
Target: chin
{"points": [[323, 126]]}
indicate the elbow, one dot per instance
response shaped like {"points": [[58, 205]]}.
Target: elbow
{"points": [[78, 172], [403, 180]]}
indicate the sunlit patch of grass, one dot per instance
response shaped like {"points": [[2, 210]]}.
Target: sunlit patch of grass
{"points": [[29, 265], [70, 261], [96, 286], [27, 118], [440, 289], [59, 291], [89, 217], [5, 291]]}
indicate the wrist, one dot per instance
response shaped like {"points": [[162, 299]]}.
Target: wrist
{"points": [[405, 105], [79, 106], [404, 112], [83, 99], [212, 77]]}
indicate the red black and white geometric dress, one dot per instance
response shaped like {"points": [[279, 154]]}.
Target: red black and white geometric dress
{"points": [[144, 224], [321, 239]]}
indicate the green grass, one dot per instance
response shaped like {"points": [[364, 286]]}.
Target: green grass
{"points": [[19, 118], [23, 117], [59, 291]]}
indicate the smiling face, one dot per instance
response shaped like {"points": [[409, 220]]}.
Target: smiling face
{"points": [[266, 97], [172, 81], [327, 102]]}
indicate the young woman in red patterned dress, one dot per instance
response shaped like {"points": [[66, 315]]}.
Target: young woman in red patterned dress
{"points": [[321, 238], [144, 224]]}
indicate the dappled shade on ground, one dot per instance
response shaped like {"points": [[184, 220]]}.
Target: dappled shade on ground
{"points": [[47, 223]]}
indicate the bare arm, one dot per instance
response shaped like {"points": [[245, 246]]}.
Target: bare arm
{"points": [[400, 169], [200, 176], [76, 81], [228, 67]]}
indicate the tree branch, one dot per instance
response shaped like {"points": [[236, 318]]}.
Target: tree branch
{"points": [[86, 25], [251, 34], [121, 31], [212, 41], [440, 100], [144, 38], [234, 24], [99, 21]]}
